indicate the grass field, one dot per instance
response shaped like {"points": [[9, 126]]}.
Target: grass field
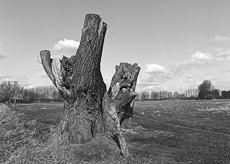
{"points": [[177, 132], [186, 131]]}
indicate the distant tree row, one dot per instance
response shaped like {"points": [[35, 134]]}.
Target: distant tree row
{"points": [[13, 91], [165, 95], [205, 91], [40, 94], [226, 94]]}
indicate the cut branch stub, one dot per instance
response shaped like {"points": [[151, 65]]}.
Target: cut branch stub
{"points": [[46, 62], [54, 68], [122, 88], [125, 78]]}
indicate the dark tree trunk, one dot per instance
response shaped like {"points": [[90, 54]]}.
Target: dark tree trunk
{"points": [[15, 102], [88, 108]]}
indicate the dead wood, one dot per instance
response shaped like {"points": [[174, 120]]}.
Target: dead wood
{"points": [[89, 109]]}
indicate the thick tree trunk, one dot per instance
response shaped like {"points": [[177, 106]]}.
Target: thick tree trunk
{"points": [[88, 108]]}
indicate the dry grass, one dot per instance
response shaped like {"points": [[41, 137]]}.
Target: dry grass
{"points": [[28, 141], [201, 136], [29, 135]]}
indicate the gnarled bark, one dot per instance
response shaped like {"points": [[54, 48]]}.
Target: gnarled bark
{"points": [[118, 101], [89, 109]]}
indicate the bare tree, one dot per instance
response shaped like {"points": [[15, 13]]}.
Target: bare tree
{"points": [[9, 90], [89, 109], [145, 95]]}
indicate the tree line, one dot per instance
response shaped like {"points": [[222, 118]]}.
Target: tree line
{"points": [[12, 92], [205, 91]]}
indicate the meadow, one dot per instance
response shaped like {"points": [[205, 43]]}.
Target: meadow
{"points": [[161, 132]]}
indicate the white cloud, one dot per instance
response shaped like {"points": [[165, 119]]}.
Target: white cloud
{"points": [[219, 54], [216, 49], [200, 59], [223, 55], [22, 80], [199, 56], [220, 38], [155, 75], [214, 76], [154, 68], [66, 47], [155, 88], [189, 80]]}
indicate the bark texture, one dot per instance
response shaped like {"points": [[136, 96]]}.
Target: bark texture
{"points": [[118, 101], [89, 109]]}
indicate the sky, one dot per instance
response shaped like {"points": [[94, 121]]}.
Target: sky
{"points": [[177, 43]]}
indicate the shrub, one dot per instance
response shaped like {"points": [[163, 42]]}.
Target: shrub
{"points": [[209, 97]]}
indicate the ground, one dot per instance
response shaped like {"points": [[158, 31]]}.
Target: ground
{"points": [[169, 131]]}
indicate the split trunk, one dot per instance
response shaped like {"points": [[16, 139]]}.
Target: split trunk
{"points": [[89, 109]]}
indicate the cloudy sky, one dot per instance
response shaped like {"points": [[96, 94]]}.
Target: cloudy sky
{"points": [[177, 43]]}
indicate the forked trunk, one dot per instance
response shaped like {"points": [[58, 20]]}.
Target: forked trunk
{"points": [[88, 108]]}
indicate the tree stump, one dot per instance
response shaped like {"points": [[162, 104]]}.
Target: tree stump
{"points": [[89, 109]]}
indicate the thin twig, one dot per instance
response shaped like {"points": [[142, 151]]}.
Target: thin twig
{"points": [[110, 31]]}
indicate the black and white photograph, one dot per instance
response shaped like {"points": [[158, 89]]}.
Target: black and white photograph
{"points": [[114, 81]]}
